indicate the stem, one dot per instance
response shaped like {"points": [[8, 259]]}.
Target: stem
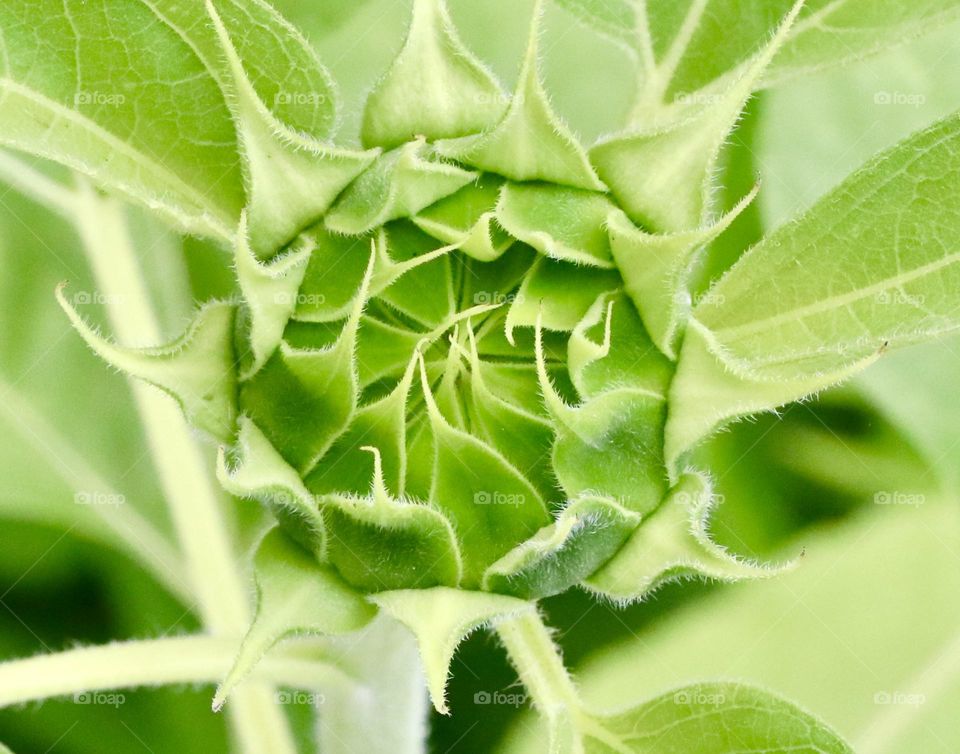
{"points": [[40, 188], [152, 662], [187, 485], [212, 568], [539, 664]]}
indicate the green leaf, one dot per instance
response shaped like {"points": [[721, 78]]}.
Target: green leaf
{"points": [[492, 505], [610, 445], [436, 88], [911, 388], [865, 585], [673, 542], [686, 46], [838, 32], [441, 618], [304, 398], [802, 310], [270, 291], [467, 219], [295, 595], [609, 348], [559, 293], [662, 174], [291, 177], [615, 18], [530, 143], [197, 369], [399, 184], [132, 94], [563, 223], [380, 543], [512, 427], [656, 270], [586, 535], [262, 473], [152, 125], [714, 718]]}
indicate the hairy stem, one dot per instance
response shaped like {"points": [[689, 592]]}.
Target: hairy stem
{"points": [[539, 664], [153, 662], [212, 567]]}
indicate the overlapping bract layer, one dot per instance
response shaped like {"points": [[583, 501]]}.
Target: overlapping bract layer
{"points": [[438, 374]]}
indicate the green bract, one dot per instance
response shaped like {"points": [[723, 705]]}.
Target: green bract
{"points": [[466, 368]]}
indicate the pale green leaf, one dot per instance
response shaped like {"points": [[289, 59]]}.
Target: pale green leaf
{"points": [[656, 268], [260, 472], [379, 542], [143, 118], [832, 32], [467, 219], [197, 369], [662, 173], [296, 595], [131, 93], [687, 45], [530, 143], [586, 535], [563, 223], [673, 542], [615, 18], [441, 618], [870, 620], [435, 88], [827, 293], [399, 184], [714, 718]]}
